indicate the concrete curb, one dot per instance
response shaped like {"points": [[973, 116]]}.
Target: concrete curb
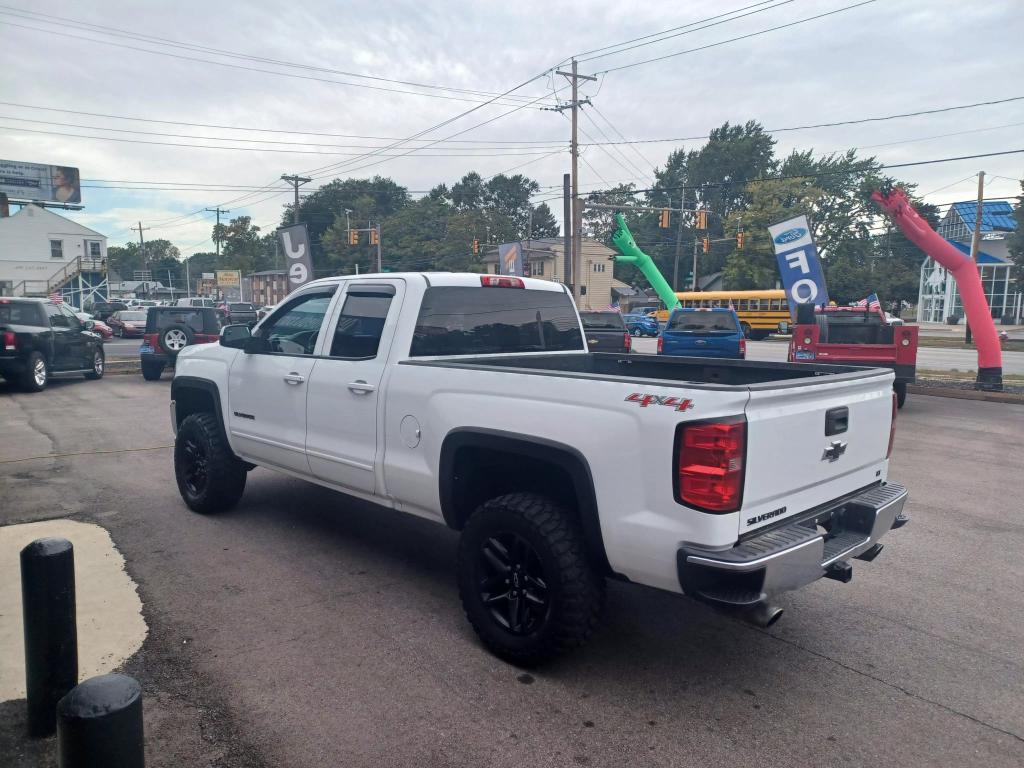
{"points": [[122, 367], [967, 394]]}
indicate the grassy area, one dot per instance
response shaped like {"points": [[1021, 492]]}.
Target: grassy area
{"points": [[1013, 345], [927, 373]]}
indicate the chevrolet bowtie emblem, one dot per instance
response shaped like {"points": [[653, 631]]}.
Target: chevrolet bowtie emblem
{"points": [[834, 451]]}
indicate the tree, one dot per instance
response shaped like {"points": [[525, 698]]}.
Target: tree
{"points": [[1016, 240], [242, 246], [544, 223]]}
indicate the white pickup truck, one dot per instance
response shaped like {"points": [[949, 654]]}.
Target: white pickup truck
{"points": [[471, 400]]}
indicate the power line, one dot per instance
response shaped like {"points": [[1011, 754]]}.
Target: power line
{"points": [[241, 66], [644, 160], [741, 37], [630, 166]]}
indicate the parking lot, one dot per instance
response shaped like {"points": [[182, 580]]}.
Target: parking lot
{"points": [[306, 629]]}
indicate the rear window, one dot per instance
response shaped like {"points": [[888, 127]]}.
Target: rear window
{"points": [[466, 320], [132, 317], [703, 322], [193, 318], [241, 307], [20, 313], [602, 321]]}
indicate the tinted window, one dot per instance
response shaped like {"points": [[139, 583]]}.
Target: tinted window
{"points": [[73, 321], [456, 320], [193, 318], [294, 331], [132, 317], [19, 313], [702, 322], [57, 318], [241, 307], [361, 323], [602, 321]]}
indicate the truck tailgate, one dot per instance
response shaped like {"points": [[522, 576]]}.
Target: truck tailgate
{"points": [[804, 449]]}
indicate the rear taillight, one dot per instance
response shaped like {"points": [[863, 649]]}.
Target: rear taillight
{"points": [[496, 281], [627, 342], [709, 464], [661, 344], [743, 347], [10, 341], [892, 426]]}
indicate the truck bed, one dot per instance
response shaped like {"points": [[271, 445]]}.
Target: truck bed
{"points": [[706, 373]]}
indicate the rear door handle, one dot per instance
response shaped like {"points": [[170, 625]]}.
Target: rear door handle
{"points": [[361, 387], [294, 378]]}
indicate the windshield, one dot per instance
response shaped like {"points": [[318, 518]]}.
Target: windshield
{"points": [[703, 322], [133, 317], [602, 321]]}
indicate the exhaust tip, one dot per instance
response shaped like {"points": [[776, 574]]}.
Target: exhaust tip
{"points": [[763, 615]]}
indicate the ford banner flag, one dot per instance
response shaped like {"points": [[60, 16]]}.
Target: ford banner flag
{"points": [[801, 272], [294, 244]]}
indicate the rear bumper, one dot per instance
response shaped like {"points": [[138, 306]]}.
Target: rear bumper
{"points": [[796, 554]]}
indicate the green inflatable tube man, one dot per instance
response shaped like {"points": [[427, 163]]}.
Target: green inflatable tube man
{"points": [[631, 254]]}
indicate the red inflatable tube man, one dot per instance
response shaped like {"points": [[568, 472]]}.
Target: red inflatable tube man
{"points": [[968, 282]]}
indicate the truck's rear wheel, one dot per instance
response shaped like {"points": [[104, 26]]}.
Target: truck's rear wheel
{"points": [[900, 387], [526, 583], [36, 374], [210, 477]]}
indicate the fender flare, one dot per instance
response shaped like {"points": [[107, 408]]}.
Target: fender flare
{"points": [[180, 383], [565, 457]]}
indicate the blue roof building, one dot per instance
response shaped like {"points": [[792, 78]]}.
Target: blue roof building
{"points": [[938, 298]]}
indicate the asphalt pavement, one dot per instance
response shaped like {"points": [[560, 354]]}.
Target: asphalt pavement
{"points": [[308, 629]]}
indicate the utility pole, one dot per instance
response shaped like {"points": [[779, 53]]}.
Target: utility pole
{"points": [[216, 238], [296, 181], [567, 276], [695, 245], [142, 247], [380, 266], [577, 211], [975, 240]]}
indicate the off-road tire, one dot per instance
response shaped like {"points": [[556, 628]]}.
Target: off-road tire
{"points": [[99, 364], [152, 371], [200, 437], [900, 387], [575, 590], [29, 381]]}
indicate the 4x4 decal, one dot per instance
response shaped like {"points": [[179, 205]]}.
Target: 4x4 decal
{"points": [[679, 403]]}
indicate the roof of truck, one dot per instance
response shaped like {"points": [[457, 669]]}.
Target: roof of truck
{"points": [[464, 279]]}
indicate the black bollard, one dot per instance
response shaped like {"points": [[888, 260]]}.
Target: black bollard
{"points": [[51, 637], [99, 724]]}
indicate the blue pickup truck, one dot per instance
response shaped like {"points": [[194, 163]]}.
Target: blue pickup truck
{"points": [[703, 333]]}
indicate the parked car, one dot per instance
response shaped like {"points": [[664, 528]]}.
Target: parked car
{"points": [[605, 331], [101, 310], [641, 325], [196, 301], [703, 333], [472, 401], [98, 326], [40, 339], [129, 323], [238, 312], [169, 330]]}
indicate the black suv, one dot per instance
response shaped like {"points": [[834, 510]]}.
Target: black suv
{"points": [[169, 330], [39, 338], [101, 310]]}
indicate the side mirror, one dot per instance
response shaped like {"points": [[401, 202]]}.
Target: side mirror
{"points": [[235, 336], [90, 325]]}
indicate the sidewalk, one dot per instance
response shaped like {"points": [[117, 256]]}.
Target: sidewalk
{"points": [[942, 330]]}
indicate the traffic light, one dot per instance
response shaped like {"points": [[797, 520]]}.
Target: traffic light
{"points": [[702, 219], [739, 241], [353, 237], [476, 246], [663, 220], [374, 237], [707, 243]]}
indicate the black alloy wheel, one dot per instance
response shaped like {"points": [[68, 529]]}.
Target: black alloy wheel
{"points": [[195, 464], [513, 586]]}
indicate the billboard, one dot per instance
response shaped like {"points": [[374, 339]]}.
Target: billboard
{"points": [[294, 242], [42, 183], [510, 259], [801, 272], [229, 278]]}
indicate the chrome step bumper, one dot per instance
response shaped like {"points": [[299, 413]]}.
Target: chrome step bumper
{"points": [[796, 554]]}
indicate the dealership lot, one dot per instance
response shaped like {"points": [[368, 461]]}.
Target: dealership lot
{"points": [[306, 629]]}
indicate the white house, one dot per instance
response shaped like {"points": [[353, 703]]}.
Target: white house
{"points": [[41, 252]]}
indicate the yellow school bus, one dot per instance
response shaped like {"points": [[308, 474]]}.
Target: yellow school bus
{"points": [[760, 312]]}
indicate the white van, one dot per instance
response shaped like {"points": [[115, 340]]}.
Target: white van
{"points": [[196, 302]]}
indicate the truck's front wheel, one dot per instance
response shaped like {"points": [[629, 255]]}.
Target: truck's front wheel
{"points": [[526, 583], [210, 477]]}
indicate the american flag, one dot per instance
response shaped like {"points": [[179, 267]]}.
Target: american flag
{"points": [[871, 302], [56, 298]]}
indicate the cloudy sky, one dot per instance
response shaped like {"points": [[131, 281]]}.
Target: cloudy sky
{"points": [[195, 104]]}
